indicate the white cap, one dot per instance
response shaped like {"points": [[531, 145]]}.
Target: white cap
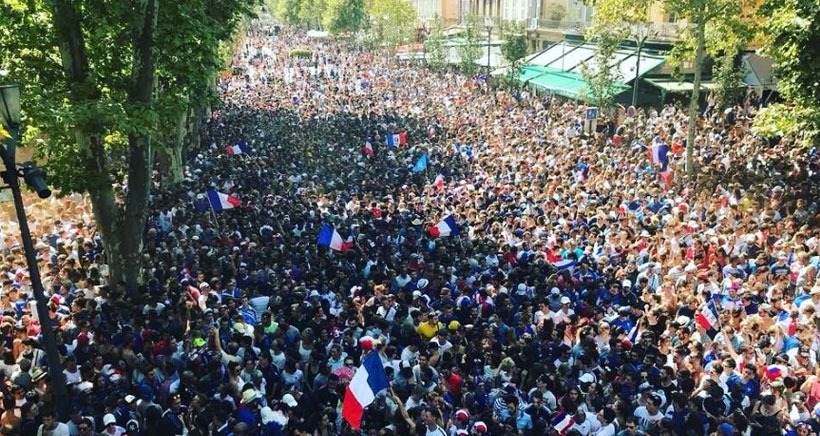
{"points": [[109, 419], [289, 400], [565, 300]]}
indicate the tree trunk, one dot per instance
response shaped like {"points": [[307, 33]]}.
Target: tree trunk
{"points": [[694, 106], [140, 165]]}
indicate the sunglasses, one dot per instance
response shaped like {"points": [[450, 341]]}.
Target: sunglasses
{"points": [[84, 428]]}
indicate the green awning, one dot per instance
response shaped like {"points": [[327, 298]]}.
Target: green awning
{"points": [[567, 84]]}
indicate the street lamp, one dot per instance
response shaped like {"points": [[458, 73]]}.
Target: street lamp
{"points": [[488, 22], [34, 177]]}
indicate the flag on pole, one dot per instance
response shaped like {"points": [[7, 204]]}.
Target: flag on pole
{"points": [[221, 201], [368, 148], [329, 237], [239, 148], [369, 380], [445, 227], [421, 164], [633, 334], [396, 139]]}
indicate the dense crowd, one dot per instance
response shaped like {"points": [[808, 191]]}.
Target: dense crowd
{"points": [[585, 291]]}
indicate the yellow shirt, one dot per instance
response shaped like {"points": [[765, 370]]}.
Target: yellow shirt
{"points": [[428, 331]]}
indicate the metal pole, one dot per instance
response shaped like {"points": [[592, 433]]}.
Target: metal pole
{"points": [[637, 73], [55, 368], [489, 35]]}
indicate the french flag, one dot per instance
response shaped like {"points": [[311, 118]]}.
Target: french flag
{"points": [[396, 139], [368, 148], [239, 148], [562, 422], [708, 316], [445, 227], [439, 182], [658, 154], [785, 321], [369, 380], [565, 264], [329, 237], [220, 201], [774, 372]]}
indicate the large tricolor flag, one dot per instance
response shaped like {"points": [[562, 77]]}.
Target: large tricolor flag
{"points": [[396, 139], [445, 227], [708, 316], [329, 237], [369, 380], [220, 201], [239, 148], [562, 422]]}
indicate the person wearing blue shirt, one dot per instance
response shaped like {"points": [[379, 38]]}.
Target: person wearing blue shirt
{"points": [[623, 320]]}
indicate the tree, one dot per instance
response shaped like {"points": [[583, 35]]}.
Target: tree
{"points": [[433, 46], [469, 50], [602, 74], [110, 77], [312, 11], [728, 80], [344, 16], [792, 29], [514, 46], [394, 19], [289, 11]]}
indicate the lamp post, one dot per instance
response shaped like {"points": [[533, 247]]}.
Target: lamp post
{"points": [[488, 22], [34, 177]]}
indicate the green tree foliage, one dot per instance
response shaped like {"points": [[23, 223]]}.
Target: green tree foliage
{"points": [[433, 46], [728, 79], [792, 28], [344, 16], [394, 20], [514, 47], [289, 11], [311, 12], [112, 80], [469, 50], [602, 74]]}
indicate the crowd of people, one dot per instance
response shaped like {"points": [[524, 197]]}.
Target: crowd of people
{"points": [[583, 290]]}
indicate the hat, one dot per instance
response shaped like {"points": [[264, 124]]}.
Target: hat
{"points": [[480, 427], [555, 291], [726, 429], [454, 325], [422, 283], [313, 293], [683, 320], [109, 419], [586, 378], [289, 400], [129, 399], [239, 327], [815, 290], [565, 300], [250, 395], [198, 342], [645, 234], [462, 415]]}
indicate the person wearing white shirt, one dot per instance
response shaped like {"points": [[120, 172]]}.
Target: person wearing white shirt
{"points": [[649, 415], [609, 423], [563, 313]]}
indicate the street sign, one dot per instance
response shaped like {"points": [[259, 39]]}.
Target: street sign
{"points": [[592, 113]]}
